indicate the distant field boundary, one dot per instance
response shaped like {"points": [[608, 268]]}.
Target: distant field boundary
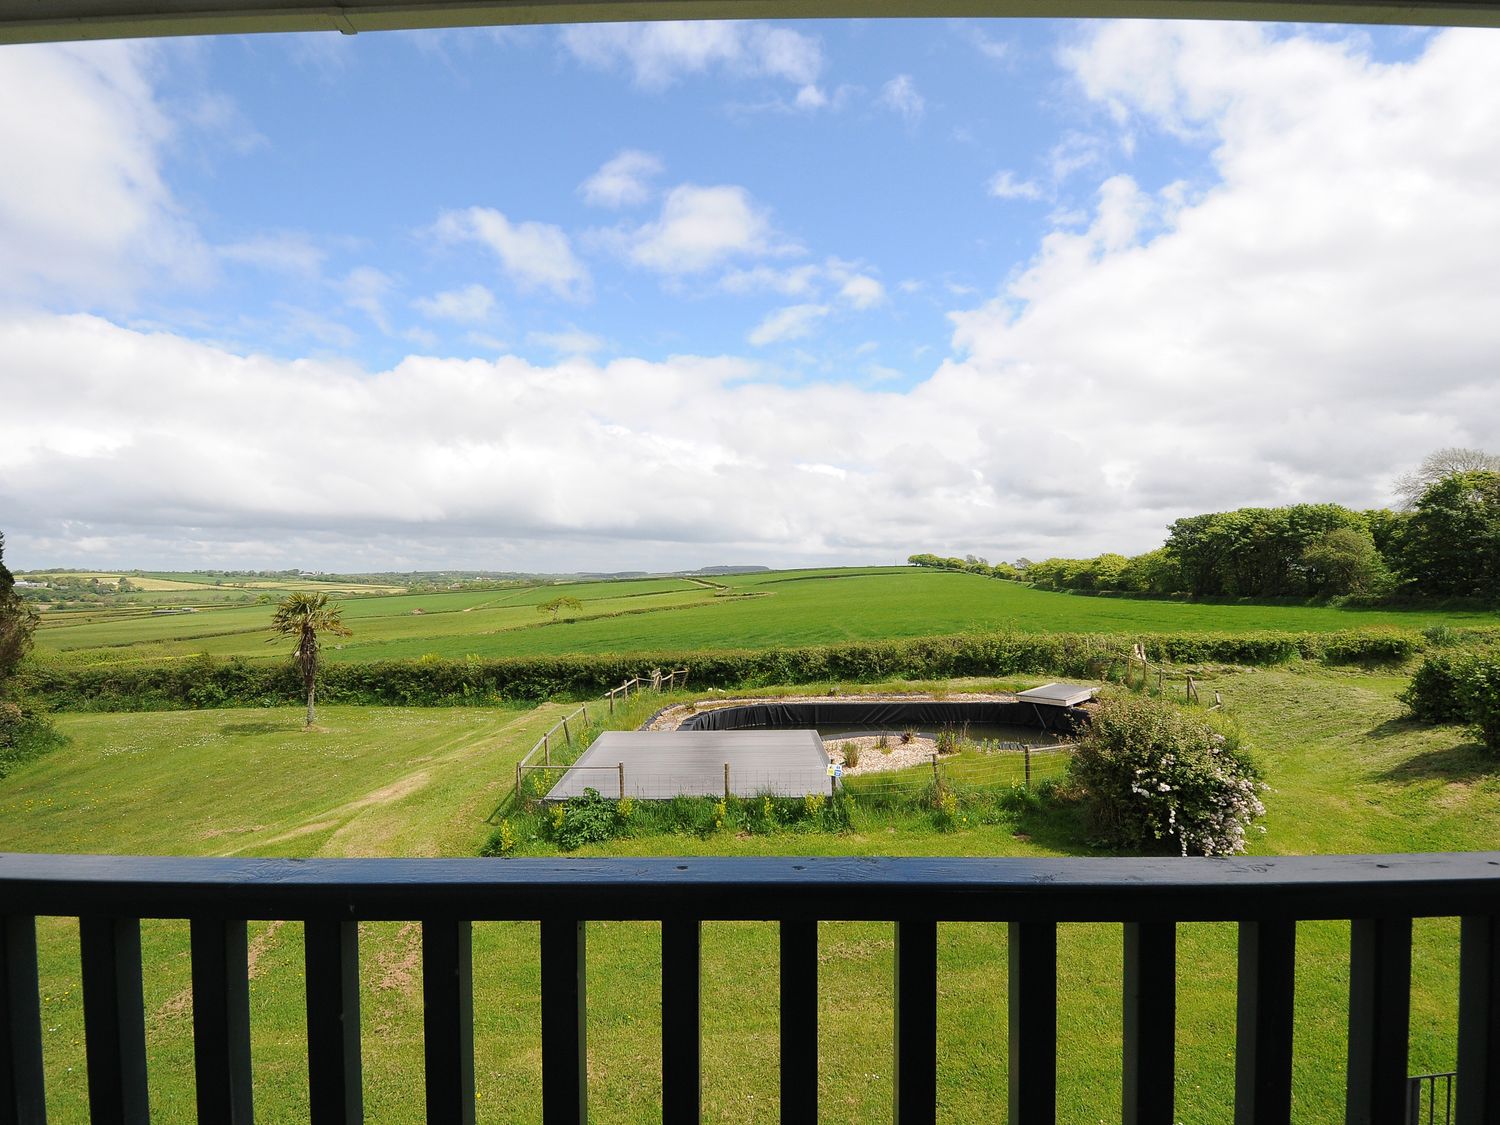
{"points": [[206, 682]]}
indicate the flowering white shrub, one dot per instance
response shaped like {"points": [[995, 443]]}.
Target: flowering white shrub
{"points": [[1154, 777]]}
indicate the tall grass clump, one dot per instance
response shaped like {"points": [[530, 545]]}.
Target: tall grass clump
{"points": [[1154, 778]]}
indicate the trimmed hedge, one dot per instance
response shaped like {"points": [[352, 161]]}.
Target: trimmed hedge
{"points": [[205, 682]]}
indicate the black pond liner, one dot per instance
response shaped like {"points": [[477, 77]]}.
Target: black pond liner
{"points": [[877, 715]]}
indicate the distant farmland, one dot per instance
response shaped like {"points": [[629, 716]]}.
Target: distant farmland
{"points": [[675, 614]]}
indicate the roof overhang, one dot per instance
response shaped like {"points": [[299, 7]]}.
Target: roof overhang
{"points": [[35, 21]]}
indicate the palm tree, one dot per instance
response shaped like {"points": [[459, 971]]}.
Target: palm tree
{"points": [[305, 616]]}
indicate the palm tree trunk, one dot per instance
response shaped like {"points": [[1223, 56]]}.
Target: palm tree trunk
{"points": [[310, 691]]}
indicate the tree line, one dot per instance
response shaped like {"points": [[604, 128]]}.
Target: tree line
{"points": [[1445, 542]]}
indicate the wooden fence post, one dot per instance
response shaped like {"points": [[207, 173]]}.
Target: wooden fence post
{"points": [[726, 781], [585, 709], [547, 748], [518, 782], [566, 732], [611, 697], [1028, 765], [622, 781], [936, 779]]}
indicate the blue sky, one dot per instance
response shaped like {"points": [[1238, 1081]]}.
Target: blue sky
{"points": [[326, 155], [632, 296]]}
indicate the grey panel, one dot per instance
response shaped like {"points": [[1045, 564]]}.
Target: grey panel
{"points": [[663, 764], [1058, 695]]}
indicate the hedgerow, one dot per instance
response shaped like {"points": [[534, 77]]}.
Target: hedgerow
{"points": [[205, 682]]}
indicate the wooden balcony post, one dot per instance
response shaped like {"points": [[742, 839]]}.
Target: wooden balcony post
{"points": [[1150, 1022], [335, 1096], [565, 1089], [1033, 1022], [448, 1019], [22, 1091], [1263, 1024], [799, 1022], [221, 1020], [915, 1074], [114, 1019], [1478, 1082], [1379, 1017], [681, 1026]]}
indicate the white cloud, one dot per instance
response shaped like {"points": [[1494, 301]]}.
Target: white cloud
{"points": [[1005, 185], [863, 292], [900, 96], [365, 288], [659, 54], [702, 227], [569, 342], [533, 255], [623, 181], [85, 213], [1000, 50], [285, 252], [791, 323], [472, 304], [793, 281], [1305, 325]]}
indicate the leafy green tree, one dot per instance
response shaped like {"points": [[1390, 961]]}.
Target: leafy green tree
{"points": [[557, 605], [304, 616], [1451, 543], [1345, 561], [17, 621]]}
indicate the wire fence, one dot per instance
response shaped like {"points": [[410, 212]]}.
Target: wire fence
{"points": [[1025, 768], [561, 743], [622, 780], [995, 769]]}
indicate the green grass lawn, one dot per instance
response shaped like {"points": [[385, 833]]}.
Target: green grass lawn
{"points": [[679, 615], [1347, 774]]}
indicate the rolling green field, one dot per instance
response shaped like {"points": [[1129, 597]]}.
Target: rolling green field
{"points": [[677, 614], [1348, 774]]}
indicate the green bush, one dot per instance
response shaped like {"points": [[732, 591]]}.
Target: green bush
{"points": [[25, 734], [1458, 686], [1155, 778], [1436, 693], [589, 819]]}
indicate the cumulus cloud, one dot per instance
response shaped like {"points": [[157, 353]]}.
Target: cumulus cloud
{"points": [[470, 305], [863, 292], [700, 228], [901, 97], [624, 181], [1303, 326], [1305, 322], [659, 54], [533, 255], [85, 213]]}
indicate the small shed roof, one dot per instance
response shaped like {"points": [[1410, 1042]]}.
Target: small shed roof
{"points": [[1059, 695]]}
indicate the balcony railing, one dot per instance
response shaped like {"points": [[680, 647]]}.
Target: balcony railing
{"points": [[1380, 895]]}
